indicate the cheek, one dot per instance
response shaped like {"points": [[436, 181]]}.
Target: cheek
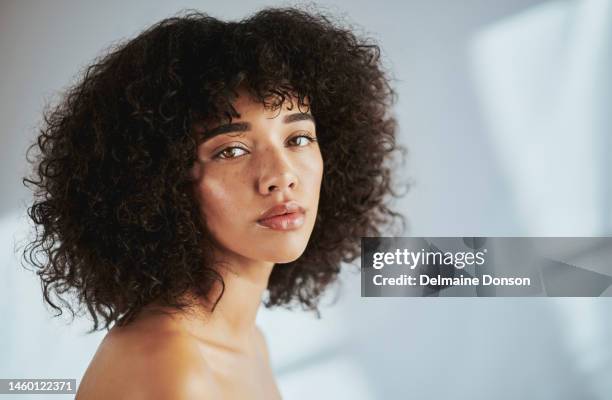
{"points": [[313, 169], [219, 196]]}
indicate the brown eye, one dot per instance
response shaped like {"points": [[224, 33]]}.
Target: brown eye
{"points": [[230, 152], [303, 140]]}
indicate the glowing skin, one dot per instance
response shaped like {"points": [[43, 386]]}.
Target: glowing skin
{"points": [[238, 176], [241, 174]]}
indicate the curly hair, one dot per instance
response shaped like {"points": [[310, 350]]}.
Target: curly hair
{"points": [[116, 224]]}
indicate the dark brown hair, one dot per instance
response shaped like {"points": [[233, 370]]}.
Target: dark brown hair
{"points": [[117, 227]]}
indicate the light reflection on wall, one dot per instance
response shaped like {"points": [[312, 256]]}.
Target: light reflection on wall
{"points": [[541, 80]]}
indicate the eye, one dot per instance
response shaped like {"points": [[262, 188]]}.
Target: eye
{"points": [[229, 153], [303, 140]]}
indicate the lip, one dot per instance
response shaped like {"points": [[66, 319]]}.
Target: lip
{"points": [[284, 216]]}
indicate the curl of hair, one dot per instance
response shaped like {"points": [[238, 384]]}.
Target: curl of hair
{"points": [[116, 224]]}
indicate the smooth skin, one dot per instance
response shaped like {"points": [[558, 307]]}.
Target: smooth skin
{"points": [[264, 158]]}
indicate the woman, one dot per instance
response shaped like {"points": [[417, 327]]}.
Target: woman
{"points": [[193, 170]]}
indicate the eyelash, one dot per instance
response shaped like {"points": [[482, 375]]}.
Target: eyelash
{"points": [[218, 156]]}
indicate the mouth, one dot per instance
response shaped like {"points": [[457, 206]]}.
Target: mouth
{"points": [[284, 222]]}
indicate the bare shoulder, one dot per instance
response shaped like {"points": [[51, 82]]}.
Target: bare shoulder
{"points": [[160, 366]]}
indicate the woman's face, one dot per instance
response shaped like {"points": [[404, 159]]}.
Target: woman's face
{"points": [[264, 158]]}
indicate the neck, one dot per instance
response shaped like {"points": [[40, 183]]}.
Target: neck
{"points": [[245, 284], [232, 323]]}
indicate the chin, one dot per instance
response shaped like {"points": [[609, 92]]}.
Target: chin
{"points": [[285, 260], [286, 257], [287, 254]]}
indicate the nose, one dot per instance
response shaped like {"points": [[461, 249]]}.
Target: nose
{"points": [[277, 173]]}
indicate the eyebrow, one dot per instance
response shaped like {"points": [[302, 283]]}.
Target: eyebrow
{"points": [[241, 127]]}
